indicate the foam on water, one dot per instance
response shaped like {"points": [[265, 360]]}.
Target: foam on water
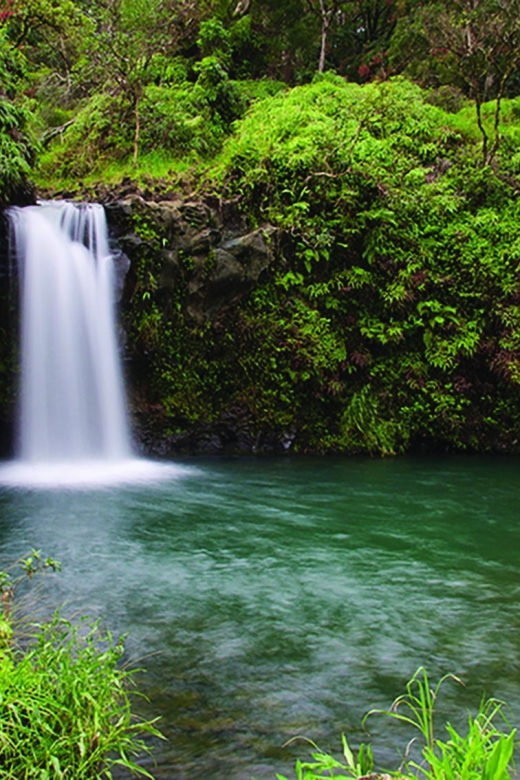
{"points": [[90, 473]]}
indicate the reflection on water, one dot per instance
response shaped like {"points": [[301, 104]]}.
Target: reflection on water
{"points": [[269, 598]]}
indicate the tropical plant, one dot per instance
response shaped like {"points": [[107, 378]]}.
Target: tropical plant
{"points": [[18, 146], [416, 707], [485, 752]]}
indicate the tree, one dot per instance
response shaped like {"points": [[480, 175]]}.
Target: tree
{"points": [[277, 39], [481, 39], [129, 35], [369, 28], [49, 32], [326, 10], [356, 34]]}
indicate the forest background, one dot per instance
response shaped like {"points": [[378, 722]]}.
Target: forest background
{"points": [[373, 145]]}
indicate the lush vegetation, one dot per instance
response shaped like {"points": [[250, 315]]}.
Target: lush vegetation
{"points": [[65, 701], [108, 82], [18, 145], [484, 751], [380, 139], [389, 318]]}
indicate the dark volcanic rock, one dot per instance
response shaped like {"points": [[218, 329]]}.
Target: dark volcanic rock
{"points": [[220, 267], [230, 272], [231, 434], [203, 259]]}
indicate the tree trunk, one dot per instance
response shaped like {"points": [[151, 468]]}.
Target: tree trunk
{"points": [[478, 105], [498, 106], [137, 128], [325, 24]]}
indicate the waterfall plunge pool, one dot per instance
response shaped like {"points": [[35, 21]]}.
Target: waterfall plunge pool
{"points": [[272, 597], [264, 597]]}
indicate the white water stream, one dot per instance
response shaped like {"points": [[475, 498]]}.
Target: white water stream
{"points": [[72, 401], [72, 416]]}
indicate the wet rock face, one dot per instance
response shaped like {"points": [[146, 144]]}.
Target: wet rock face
{"points": [[229, 270], [204, 259], [230, 435], [217, 263]]}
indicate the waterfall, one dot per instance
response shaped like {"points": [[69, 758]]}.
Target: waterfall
{"points": [[72, 405], [73, 429]]}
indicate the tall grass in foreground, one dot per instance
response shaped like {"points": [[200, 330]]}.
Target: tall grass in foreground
{"points": [[65, 703], [483, 752]]}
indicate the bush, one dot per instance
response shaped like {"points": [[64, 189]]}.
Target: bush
{"points": [[178, 121], [98, 134], [18, 147], [391, 313]]}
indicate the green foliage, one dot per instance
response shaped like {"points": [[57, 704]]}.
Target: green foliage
{"points": [[324, 765], [390, 314], [214, 40], [65, 706], [65, 703], [416, 707], [336, 123], [78, 49], [485, 752], [13, 67], [221, 94], [17, 150], [179, 120], [33, 564], [251, 90], [17, 145], [95, 136], [389, 317]]}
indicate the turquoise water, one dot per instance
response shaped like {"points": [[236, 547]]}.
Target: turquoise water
{"points": [[273, 597]]}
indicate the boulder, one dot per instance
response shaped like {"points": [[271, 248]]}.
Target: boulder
{"points": [[192, 244]]}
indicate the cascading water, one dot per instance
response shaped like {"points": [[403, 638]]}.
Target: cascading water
{"points": [[72, 402], [72, 419]]}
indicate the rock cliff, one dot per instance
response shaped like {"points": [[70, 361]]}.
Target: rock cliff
{"points": [[192, 261]]}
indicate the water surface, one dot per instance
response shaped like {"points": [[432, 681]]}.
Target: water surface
{"points": [[274, 597]]}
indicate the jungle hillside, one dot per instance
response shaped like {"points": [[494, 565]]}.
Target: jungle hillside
{"points": [[317, 201]]}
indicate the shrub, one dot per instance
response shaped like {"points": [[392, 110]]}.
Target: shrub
{"points": [[398, 245]]}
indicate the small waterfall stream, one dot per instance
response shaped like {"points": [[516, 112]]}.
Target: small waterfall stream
{"points": [[72, 403], [73, 427]]}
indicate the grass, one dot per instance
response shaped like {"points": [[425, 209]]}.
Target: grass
{"points": [[65, 700], [483, 752], [153, 165]]}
